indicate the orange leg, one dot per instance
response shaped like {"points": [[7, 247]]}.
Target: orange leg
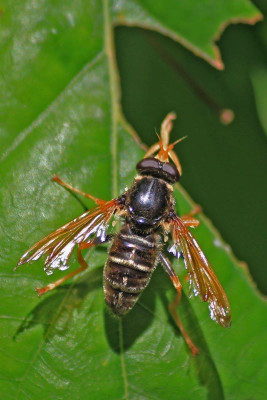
{"points": [[99, 202], [196, 210], [83, 266], [173, 305], [152, 150], [188, 218], [165, 130]]}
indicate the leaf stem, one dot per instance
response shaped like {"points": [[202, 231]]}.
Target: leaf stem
{"points": [[114, 94], [115, 114]]}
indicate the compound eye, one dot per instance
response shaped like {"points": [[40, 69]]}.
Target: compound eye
{"points": [[172, 171], [147, 164], [164, 170]]}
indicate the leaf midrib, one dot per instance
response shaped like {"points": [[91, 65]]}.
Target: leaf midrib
{"points": [[109, 53], [115, 110]]}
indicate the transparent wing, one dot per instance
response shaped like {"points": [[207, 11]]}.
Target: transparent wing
{"points": [[59, 245], [202, 278]]}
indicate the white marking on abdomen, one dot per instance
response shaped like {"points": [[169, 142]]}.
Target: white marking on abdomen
{"points": [[130, 263]]}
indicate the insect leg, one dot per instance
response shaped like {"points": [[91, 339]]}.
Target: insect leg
{"points": [[188, 218], [53, 285], [155, 147], [166, 128], [82, 262], [69, 187], [196, 210], [174, 304]]}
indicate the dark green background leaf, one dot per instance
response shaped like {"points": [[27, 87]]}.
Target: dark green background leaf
{"points": [[60, 114], [224, 166], [259, 81], [192, 23]]}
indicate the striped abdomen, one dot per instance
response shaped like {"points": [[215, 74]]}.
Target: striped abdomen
{"points": [[128, 269]]}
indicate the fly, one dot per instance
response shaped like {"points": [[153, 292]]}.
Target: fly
{"points": [[147, 210]]}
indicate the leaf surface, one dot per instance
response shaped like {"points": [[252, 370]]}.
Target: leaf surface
{"points": [[194, 24]]}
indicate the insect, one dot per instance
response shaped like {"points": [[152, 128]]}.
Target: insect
{"points": [[147, 210]]}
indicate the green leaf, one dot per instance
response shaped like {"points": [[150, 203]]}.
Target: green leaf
{"points": [[61, 115], [259, 81], [194, 24], [44, 46]]}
